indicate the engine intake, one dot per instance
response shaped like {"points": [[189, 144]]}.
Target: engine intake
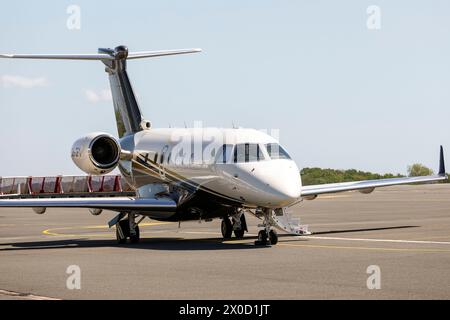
{"points": [[96, 153]]}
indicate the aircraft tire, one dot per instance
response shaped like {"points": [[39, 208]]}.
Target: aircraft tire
{"points": [[273, 237], [239, 233], [227, 228], [136, 237]]}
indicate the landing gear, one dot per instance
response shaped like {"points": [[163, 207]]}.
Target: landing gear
{"points": [[267, 236], [273, 237], [128, 228], [239, 224], [236, 225], [135, 238], [262, 237], [239, 233], [226, 228]]}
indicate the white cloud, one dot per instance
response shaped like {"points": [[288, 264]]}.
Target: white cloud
{"points": [[98, 96], [10, 81]]}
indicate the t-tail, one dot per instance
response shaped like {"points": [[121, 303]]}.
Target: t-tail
{"points": [[126, 108]]}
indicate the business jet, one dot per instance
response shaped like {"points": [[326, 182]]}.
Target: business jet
{"points": [[181, 174]]}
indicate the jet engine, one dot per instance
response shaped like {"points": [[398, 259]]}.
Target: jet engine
{"points": [[96, 153]]}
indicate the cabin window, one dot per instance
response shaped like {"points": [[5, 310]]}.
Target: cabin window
{"points": [[247, 152], [276, 151]]}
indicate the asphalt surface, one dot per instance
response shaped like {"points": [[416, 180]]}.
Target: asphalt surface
{"points": [[405, 231]]}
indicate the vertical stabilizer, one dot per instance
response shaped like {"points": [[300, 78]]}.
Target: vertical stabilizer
{"points": [[128, 114]]}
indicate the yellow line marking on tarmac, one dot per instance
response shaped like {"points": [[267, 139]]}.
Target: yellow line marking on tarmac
{"points": [[332, 197], [51, 232], [236, 242], [200, 232]]}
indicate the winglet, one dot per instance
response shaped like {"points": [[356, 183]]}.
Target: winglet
{"points": [[441, 163]]}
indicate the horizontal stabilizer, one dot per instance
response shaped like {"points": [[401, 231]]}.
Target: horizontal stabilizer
{"points": [[113, 55], [153, 54], [94, 56]]}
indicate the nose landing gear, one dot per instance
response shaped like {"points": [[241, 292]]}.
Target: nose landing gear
{"points": [[267, 236]]}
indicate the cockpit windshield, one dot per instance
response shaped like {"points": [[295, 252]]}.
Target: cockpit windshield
{"points": [[247, 152], [250, 152], [276, 151]]}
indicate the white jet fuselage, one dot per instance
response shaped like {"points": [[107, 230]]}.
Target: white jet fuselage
{"points": [[239, 165]]}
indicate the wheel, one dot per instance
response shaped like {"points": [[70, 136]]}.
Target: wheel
{"points": [[244, 223], [273, 237], [262, 236], [136, 237], [226, 228], [239, 233], [125, 228]]}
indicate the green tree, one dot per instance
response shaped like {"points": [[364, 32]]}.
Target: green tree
{"points": [[417, 170]]}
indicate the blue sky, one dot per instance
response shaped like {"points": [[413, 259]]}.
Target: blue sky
{"points": [[343, 96]]}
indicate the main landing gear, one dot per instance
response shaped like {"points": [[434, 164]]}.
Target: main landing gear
{"points": [[236, 225], [267, 236], [128, 229]]}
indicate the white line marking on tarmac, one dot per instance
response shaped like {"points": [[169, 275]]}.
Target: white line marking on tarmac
{"points": [[377, 240]]}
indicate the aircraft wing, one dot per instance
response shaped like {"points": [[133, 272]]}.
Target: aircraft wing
{"points": [[368, 186], [107, 203]]}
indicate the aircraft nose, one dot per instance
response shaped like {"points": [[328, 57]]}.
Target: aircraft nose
{"points": [[284, 187]]}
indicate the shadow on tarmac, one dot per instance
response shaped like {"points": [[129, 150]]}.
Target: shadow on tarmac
{"points": [[170, 244], [145, 243]]}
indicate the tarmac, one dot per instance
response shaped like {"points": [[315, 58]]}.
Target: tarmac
{"points": [[391, 244]]}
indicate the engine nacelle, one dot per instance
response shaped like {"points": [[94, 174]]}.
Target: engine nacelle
{"points": [[96, 153]]}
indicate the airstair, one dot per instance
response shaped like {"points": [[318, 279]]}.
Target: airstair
{"points": [[282, 219]]}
